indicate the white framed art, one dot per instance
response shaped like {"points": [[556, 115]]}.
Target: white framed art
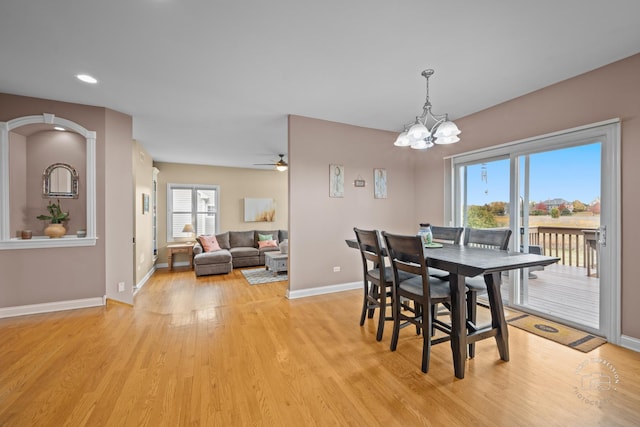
{"points": [[379, 183], [336, 181]]}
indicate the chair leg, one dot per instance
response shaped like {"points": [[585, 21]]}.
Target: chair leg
{"points": [[373, 293], [434, 316], [426, 338], [396, 323], [365, 302], [382, 313], [471, 315]]}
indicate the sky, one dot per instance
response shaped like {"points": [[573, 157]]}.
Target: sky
{"points": [[570, 174]]}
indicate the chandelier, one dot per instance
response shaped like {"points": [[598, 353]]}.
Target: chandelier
{"points": [[429, 128]]}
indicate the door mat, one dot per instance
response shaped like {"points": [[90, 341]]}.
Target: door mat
{"points": [[258, 276], [562, 334]]}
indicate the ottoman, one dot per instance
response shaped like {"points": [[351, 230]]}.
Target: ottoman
{"points": [[216, 262]]}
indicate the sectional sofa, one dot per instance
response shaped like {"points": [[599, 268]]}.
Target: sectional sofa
{"points": [[237, 249]]}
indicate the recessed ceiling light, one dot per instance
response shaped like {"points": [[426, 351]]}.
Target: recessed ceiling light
{"points": [[59, 128], [87, 78]]}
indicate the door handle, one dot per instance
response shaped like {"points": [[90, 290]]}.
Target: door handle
{"points": [[602, 236]]}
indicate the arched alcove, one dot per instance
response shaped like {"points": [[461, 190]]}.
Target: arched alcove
{"points": [[7, 241]]}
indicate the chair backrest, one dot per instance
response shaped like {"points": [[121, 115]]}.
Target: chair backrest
{"points": [[406, 254], [370, 248], [494, 238], [446, 234]]}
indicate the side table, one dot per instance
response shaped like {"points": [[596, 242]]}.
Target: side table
{"points": [[180, 248]]}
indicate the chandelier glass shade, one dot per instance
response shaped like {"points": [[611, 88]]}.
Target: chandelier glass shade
{"points": [[428, 128]]}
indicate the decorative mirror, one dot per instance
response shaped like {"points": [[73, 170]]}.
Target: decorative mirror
{"points": [[60, 181]]}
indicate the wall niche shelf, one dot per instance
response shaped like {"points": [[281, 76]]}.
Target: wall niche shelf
{"points": [[6, 239]]}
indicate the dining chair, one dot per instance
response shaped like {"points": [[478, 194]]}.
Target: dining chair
{"points": [[444, 235], [534, 249], [407, 256], [378, 279], [450, 235], [484, 238]]}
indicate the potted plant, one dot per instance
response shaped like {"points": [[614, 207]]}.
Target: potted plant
{"points": [[57, 217]]}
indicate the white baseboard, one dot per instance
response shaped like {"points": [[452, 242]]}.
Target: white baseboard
{"points": [[630, 343], [48, 307], [144, 280], [175, 264], [321, 290]]}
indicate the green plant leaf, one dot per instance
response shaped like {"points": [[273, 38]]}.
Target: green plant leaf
{"points": [[56, 215]]}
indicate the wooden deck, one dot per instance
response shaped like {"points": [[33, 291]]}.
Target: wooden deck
{"points": [[562, 292]]}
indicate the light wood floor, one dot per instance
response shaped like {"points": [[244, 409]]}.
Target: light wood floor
{"points": [[215, 351]]}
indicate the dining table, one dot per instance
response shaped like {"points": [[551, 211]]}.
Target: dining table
{"points": [[469, 261]]}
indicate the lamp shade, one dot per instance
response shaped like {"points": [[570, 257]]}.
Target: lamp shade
{"points": [[443, 140], [423, 144], [188, 228], [418, 131], [447, 129], [403, 140]]}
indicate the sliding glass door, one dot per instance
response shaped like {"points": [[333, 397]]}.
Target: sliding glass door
{"points": [[559, 215], [559, 196], [484, 190]]}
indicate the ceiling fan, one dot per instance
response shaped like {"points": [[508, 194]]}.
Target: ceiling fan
{"points": [[280, 165]]}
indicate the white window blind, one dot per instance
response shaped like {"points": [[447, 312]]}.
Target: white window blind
{"points": [[191, 204]]}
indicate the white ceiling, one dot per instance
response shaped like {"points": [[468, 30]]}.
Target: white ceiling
{"points": [[212, 81]]}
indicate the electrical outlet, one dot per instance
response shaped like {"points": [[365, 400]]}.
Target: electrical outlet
{"points": [[120, 286], [336, 269]]}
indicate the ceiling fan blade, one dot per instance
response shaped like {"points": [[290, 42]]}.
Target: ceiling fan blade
{"points": [[280, 162]]}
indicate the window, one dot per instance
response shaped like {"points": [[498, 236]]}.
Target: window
{"points": [[191, 204]]}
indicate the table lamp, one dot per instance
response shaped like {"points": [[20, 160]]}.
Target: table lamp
{"points": [[188, 228]]}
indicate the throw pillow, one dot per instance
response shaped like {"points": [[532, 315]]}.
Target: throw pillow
{"points": [[267, 244], [223, 240], [245, 239], [209, 243], [264, 234]]}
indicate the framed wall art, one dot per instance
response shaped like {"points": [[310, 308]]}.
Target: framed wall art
{"points": [[379, 183], [336, 181], [259, 210]]}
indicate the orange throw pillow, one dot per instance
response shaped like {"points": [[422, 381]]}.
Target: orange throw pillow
{"points": [[209, 243], [267, 244]]}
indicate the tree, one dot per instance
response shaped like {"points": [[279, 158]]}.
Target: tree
{"points": [[578, 206], [498, 208], [555, 213], [481, 217], [595, 208], [541, 207]]}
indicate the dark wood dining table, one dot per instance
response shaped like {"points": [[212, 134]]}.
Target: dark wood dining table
{"points": [[468, 261]]}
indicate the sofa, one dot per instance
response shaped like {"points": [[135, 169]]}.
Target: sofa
{"points": [[236, 249]]}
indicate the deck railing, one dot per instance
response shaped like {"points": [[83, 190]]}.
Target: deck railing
{"points": [[574, 246]]}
